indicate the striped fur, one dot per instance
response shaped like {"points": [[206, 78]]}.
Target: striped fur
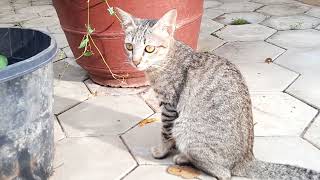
{"points": [[168, 115], [206, 106]]}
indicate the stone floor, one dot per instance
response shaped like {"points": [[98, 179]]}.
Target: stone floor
{"points": [[97, 134]]}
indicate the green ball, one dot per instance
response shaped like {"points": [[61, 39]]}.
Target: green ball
{"points": [[3, 62]]}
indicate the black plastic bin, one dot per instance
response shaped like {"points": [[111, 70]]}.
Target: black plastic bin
{"points": [[26, 98]]}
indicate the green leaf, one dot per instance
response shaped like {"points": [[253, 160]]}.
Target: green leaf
{"points": [[84, 42], [87, 53], [111, 11], [3, 62], [89, 29]]}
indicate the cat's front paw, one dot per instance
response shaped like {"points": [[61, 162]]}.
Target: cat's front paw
{"points": [[159, 152], [181, 159]]}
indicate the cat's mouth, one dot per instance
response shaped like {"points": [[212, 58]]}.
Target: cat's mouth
{"points": [[141, 68]]}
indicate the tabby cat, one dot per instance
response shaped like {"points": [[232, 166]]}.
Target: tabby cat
{"points": [[205, 102]]}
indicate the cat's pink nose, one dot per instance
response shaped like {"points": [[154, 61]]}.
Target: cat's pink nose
{"points": [[136, 62]]}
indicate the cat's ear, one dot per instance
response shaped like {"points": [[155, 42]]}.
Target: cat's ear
{"points": [[127, 21], [167, 24]]}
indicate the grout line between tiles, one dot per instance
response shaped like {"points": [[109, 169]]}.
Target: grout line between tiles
{"points": [[309, 125], [295, 79], [58, 114], [136, 124], [300, 99], [133, 157]]}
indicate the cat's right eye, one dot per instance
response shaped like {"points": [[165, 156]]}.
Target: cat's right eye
{"points": [[129, 46]]}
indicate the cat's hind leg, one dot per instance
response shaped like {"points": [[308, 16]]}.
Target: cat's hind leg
{"points": [[168, 115], [210, 163]]}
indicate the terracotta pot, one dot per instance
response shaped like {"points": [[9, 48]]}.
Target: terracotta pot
{"points": [[109, 36]]}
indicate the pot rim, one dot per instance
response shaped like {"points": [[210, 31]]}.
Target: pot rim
{"points": [[30, 64]]}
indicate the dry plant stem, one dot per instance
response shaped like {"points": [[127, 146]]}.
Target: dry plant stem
{"points": [[115, 76], [114, 13]]}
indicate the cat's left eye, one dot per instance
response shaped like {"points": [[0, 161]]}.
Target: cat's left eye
{"points": [[129, 46], [149, 49]]}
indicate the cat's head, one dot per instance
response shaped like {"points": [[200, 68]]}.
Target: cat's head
{"points": [[148, 42]]}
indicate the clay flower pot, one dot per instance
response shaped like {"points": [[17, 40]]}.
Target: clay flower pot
{"points": [[109, 36]]}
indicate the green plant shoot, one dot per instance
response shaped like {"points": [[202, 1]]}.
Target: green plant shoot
{"points": [[3, 62], [239, 21], [84, 42], [111, 11]]}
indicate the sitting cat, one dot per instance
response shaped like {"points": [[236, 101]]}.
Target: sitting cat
{"points": [[206, 106]]}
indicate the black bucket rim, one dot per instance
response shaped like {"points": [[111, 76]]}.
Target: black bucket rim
{"points": [[30, 64]]}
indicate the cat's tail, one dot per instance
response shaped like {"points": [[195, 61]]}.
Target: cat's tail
{"points": [[264, 170]]}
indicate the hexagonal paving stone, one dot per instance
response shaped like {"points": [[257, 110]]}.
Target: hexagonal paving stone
{"points": [[313, 134], [151, 172], [251, 17], [292, 22], [5, 3], [104, 115], [103, 90], [246, 32], [160, 172], [259, 51], [305, 61], [310, 2], [208, 42], [58, 133], [233, 1], [212, 13], [15, 18], [60, 55], [41, 2], [296, 38], [209, 26], [287, 150], [68, 52], [56, 29], [19, 6], [279, 114], [22, 2], [6, 8], [266, 77], [211, 4], [6, 12], [70, 70], [51, 13], [97, 158], [6, 25], [306, 87], [36, 9], [150, 98], [68, 94], [268, 2], [69, 90], [315, 12], [61, 40], [41, 22], [140, 146], [284, 9], [243, 6]]}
